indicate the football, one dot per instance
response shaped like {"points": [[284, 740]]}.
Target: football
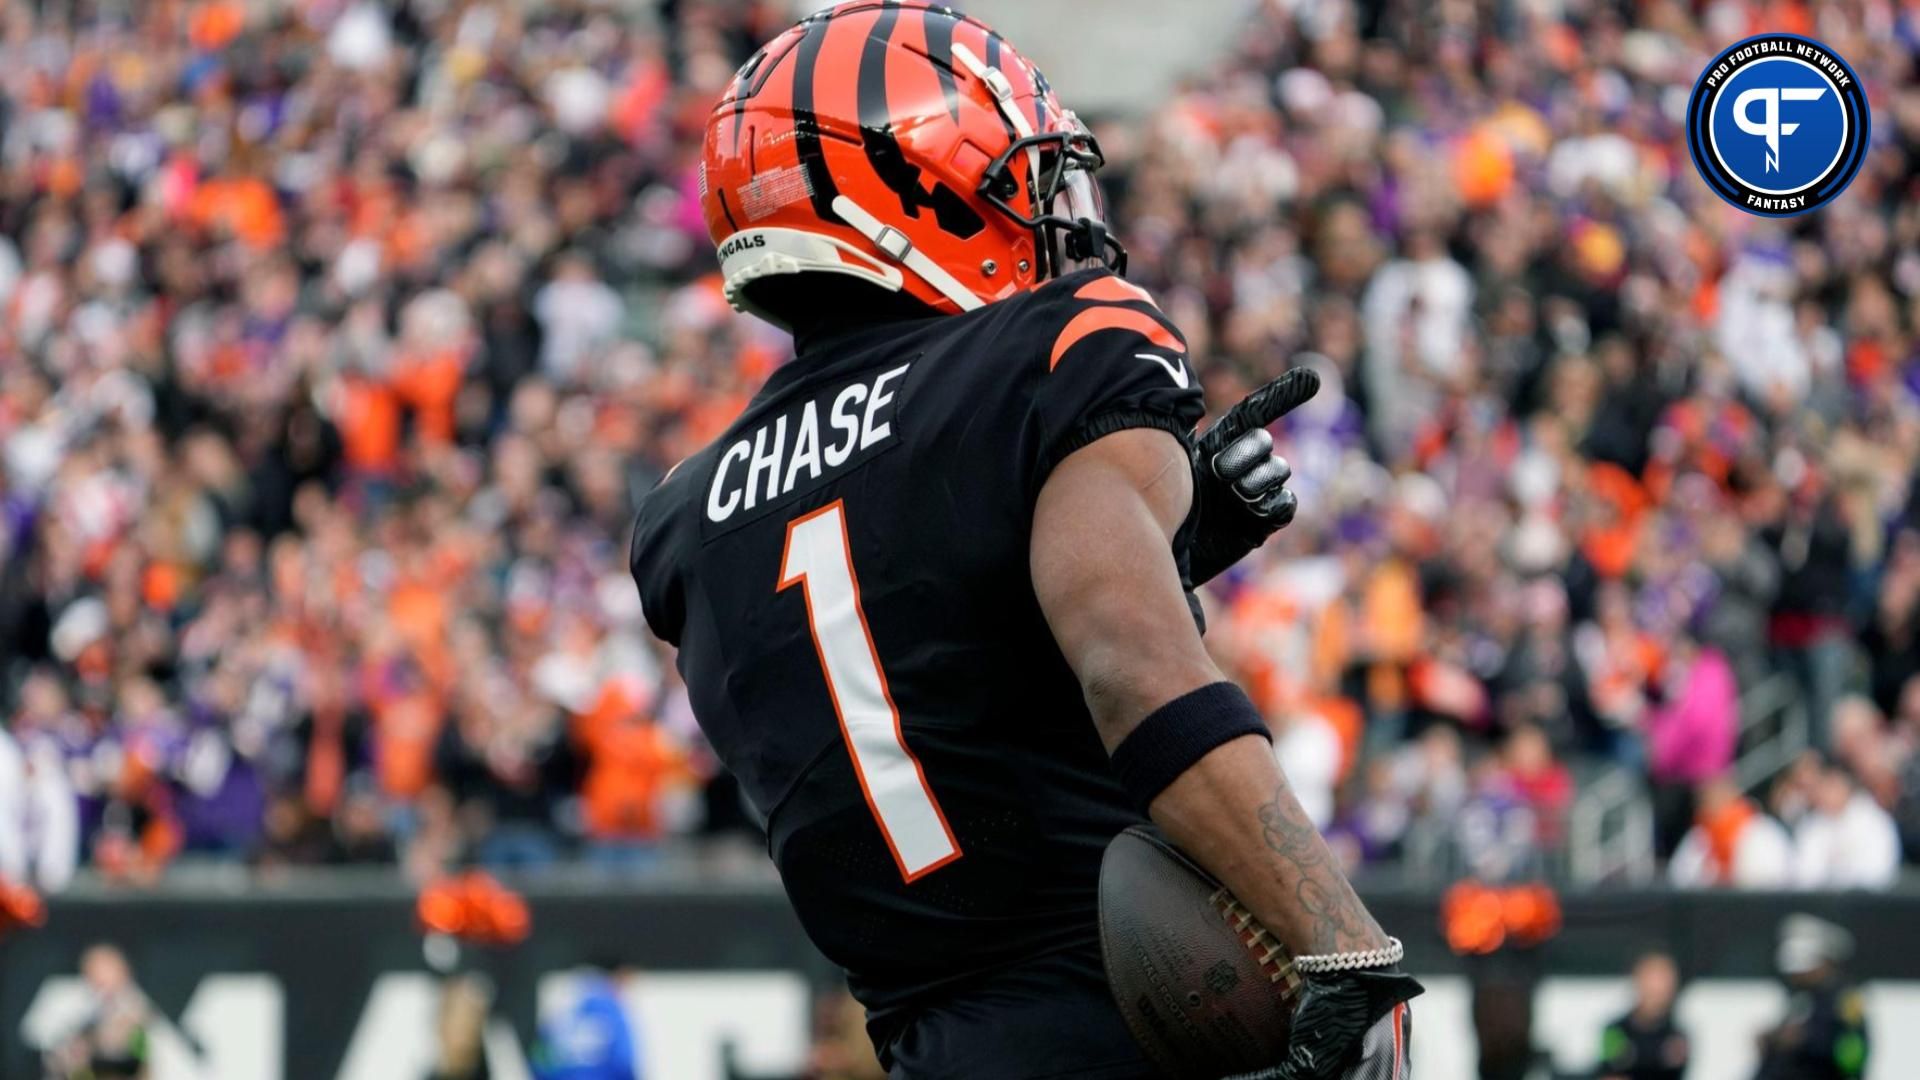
{"points": [[1205, 989]]}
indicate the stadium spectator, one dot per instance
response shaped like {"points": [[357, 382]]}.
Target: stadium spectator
{"points": [[111, 1042], [1646, 1044], [39, 813], [1409, 800], [1906, 747], [1745, 580], [590, 1037], [1414, 315], [1845, 840], [1792, 792], [1545, 784], [1498, 831], [1690, 734], [1863, 745], [636, 777], [1823, 1035], [1310, 753], [360, 834], [1892, 635], [1732, 843]]}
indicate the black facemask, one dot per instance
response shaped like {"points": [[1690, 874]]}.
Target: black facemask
{"points": [[1069, 225]]}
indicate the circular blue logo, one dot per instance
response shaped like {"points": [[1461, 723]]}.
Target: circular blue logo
{"points": [[1777, 125]]}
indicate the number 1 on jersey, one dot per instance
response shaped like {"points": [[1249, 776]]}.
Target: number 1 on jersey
{"points": [[820, 560]]}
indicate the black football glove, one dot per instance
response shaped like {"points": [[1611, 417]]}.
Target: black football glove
{"points": [[1343, 1029], [1241, 495]]}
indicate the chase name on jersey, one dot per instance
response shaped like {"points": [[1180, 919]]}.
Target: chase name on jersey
{"points": [[802, 446]]}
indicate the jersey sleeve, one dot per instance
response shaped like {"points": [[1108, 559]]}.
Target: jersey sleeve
{"points": [[1104, 359], [656, 558]]}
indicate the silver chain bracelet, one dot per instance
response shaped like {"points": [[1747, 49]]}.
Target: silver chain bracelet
{"points": [[1351, 961]]}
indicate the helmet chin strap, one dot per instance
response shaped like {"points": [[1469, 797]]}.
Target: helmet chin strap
{"points": [[895, 245]]}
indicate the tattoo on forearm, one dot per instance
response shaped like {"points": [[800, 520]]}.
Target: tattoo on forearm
{"points": [[1330, 915]]}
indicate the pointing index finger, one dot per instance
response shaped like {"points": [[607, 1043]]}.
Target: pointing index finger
{"points": [[1276, 399]]}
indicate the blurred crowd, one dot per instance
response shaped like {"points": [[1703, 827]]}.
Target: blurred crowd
{"points": [[338, 340]]}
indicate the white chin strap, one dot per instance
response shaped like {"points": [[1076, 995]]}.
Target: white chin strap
{"points": [[897, 247]]}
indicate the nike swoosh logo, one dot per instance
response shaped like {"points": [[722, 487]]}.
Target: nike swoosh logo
{"points": [[1176, 369]]}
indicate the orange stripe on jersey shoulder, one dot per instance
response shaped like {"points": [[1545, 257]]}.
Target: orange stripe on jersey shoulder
{"points": [[1094, 320], [1115, 289]]}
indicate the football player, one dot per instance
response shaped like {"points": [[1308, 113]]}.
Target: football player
{"points": [[931, 591]]}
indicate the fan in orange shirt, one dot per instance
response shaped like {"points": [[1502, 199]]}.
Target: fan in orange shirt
{"points": [[244, 206], [436, 341], [407, 714], [633, 765], [367, 413]]}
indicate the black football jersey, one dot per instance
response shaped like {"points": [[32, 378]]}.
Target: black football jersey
{"points": [[845, 573]]}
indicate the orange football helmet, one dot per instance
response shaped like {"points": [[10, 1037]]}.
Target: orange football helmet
{"points": [[907, 146]]}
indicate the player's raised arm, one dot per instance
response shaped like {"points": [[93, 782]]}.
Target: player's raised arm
{"points": [[1187, 744]]}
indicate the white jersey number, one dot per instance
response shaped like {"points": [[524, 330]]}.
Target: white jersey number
{"points": [[819, 560]]}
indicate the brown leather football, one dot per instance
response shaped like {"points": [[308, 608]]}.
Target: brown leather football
{"points": [[1205, 989]]}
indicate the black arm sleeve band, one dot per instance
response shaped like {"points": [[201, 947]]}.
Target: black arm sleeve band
{"points": [[1181, 732]]}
